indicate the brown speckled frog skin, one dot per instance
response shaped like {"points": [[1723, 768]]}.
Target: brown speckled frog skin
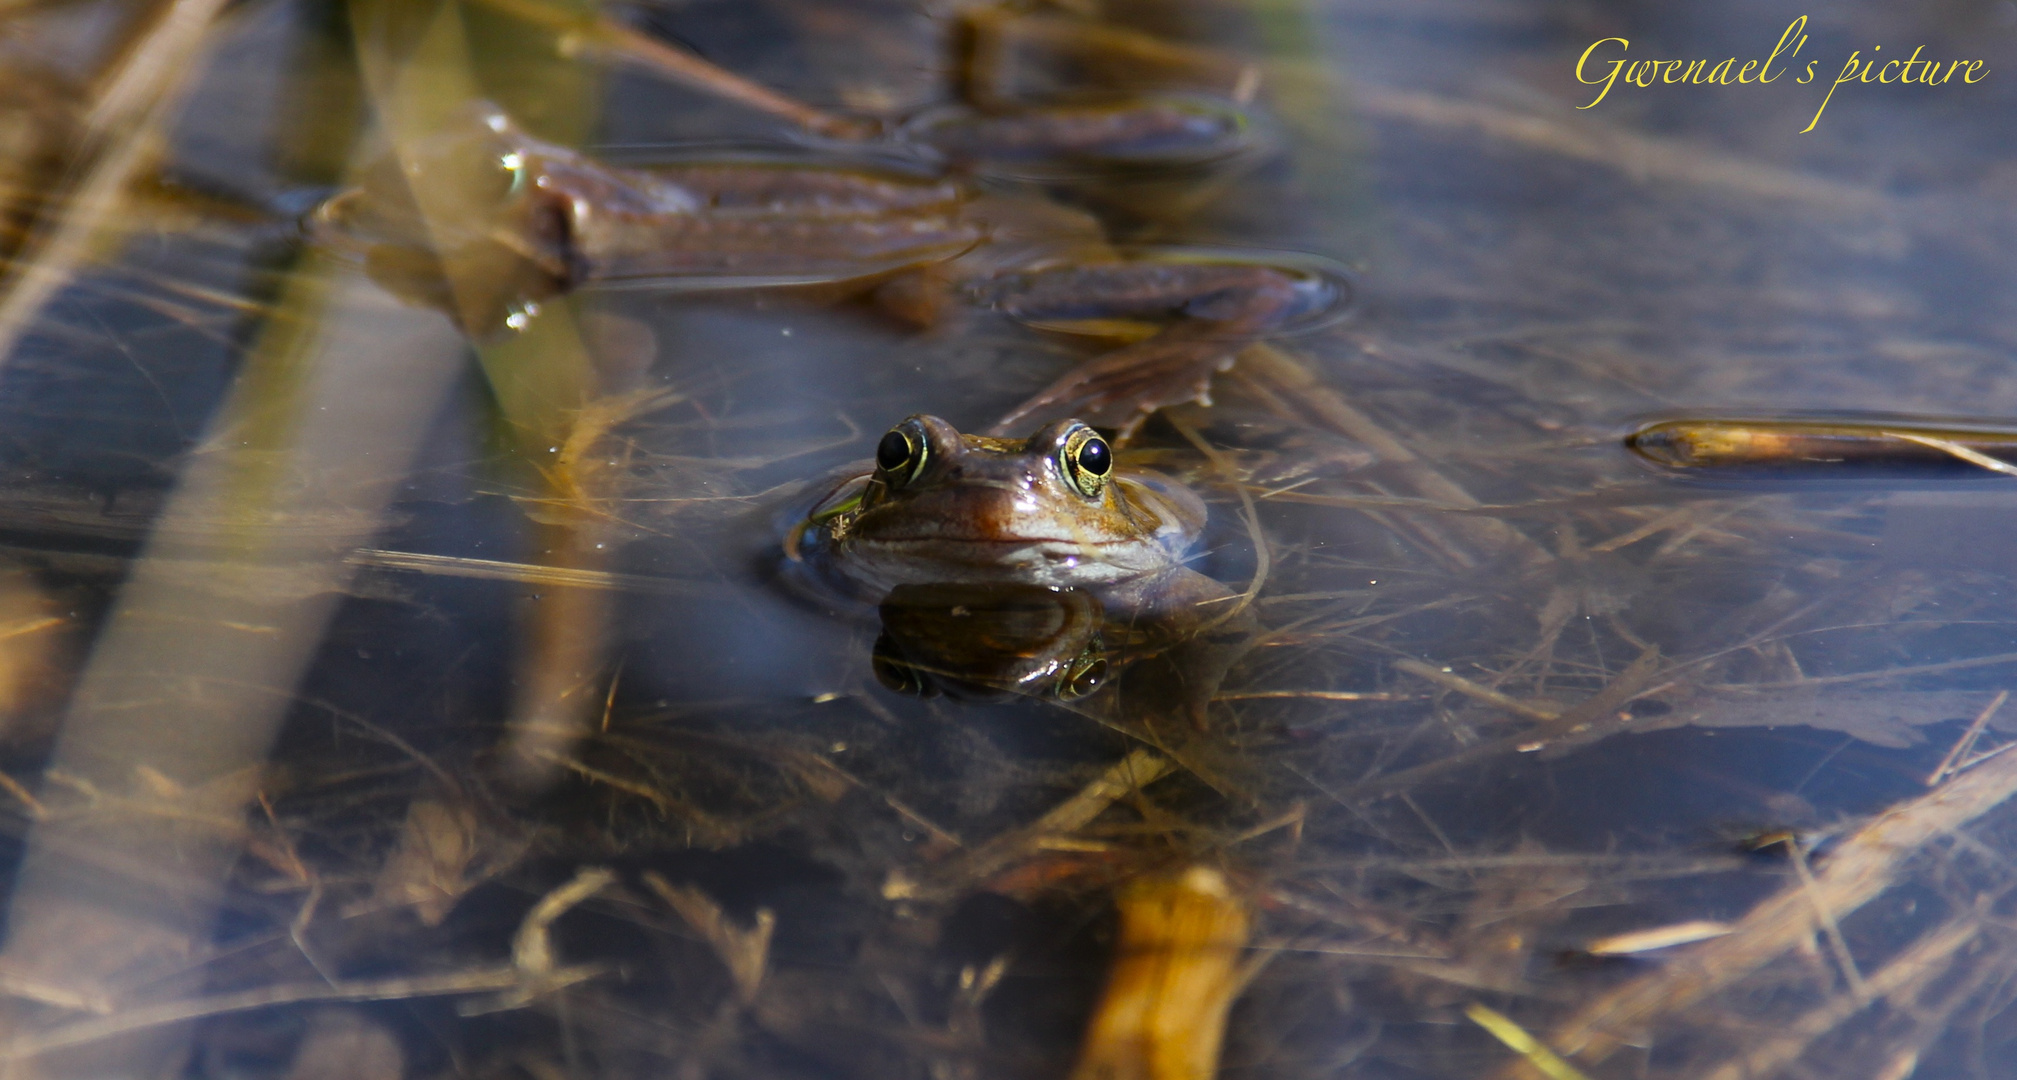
{"points": [[940, 506]]}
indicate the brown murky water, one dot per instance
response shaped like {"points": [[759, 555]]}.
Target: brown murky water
{"points": [[382, 702]]}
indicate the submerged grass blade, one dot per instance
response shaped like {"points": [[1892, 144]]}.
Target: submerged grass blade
{"points": [[1516, 1037]]}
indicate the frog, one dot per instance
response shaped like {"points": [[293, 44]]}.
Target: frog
{"points": [[943, 524], [1052, 510]]}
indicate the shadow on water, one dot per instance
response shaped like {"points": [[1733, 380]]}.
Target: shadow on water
{"points": [[405, 670]]}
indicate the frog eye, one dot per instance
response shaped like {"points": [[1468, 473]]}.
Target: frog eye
{"points": [[1085, 677], [900, 454], [1086, 461], [897, 674]]}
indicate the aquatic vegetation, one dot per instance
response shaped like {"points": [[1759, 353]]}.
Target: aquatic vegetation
{"points": [[401, 679]]}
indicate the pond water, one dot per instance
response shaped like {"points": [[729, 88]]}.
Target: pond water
{"points": [[407, 670]]}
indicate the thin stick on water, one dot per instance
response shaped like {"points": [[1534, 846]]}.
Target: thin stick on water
{"points": [[576, 34], [1275, 365], [1660, 937], [1866, 864], [1967, 740], [1314, 695], [1644, 158], [559, 577], [1923, 960], [1982, 757], [1830, 929], [1259, 539]]}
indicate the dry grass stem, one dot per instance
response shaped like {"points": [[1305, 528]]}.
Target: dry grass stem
{"points": [[85, 1032], [600, 35], [136, 99], [1831, 929], [1660, 937], [532, 946], [1924, 960], [1867, 863], [1967, 740], [1453, 681], [745, 952], [1262, 555], [1272, 364], [532, 574], [1131, 774]]}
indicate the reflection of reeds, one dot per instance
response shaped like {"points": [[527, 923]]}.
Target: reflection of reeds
{"points": [[581, 33], [420, 77], [137, 93], [193, 675]]}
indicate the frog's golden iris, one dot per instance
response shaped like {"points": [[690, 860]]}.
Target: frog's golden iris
{"points": [[1086, 461]]}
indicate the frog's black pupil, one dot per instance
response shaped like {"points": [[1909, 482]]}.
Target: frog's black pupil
{"points": [[893, 452], [1086, 680], [1095, 457]]}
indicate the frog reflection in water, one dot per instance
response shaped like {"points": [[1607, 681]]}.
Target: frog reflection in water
{"points": [[995, 558], [986, 643], [554, 220]]}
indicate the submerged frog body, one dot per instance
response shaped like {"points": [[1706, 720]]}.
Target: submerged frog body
{"points": [[530, 220], [1207, 311], [541, 220], [1051, 510], [576, 221]]}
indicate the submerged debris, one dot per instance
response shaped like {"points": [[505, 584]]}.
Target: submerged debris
{"points": [[1179, 960]]}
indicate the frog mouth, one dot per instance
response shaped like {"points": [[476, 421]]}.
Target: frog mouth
{"points": [[1056, 548], [1031, 560], [997, 535]]}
